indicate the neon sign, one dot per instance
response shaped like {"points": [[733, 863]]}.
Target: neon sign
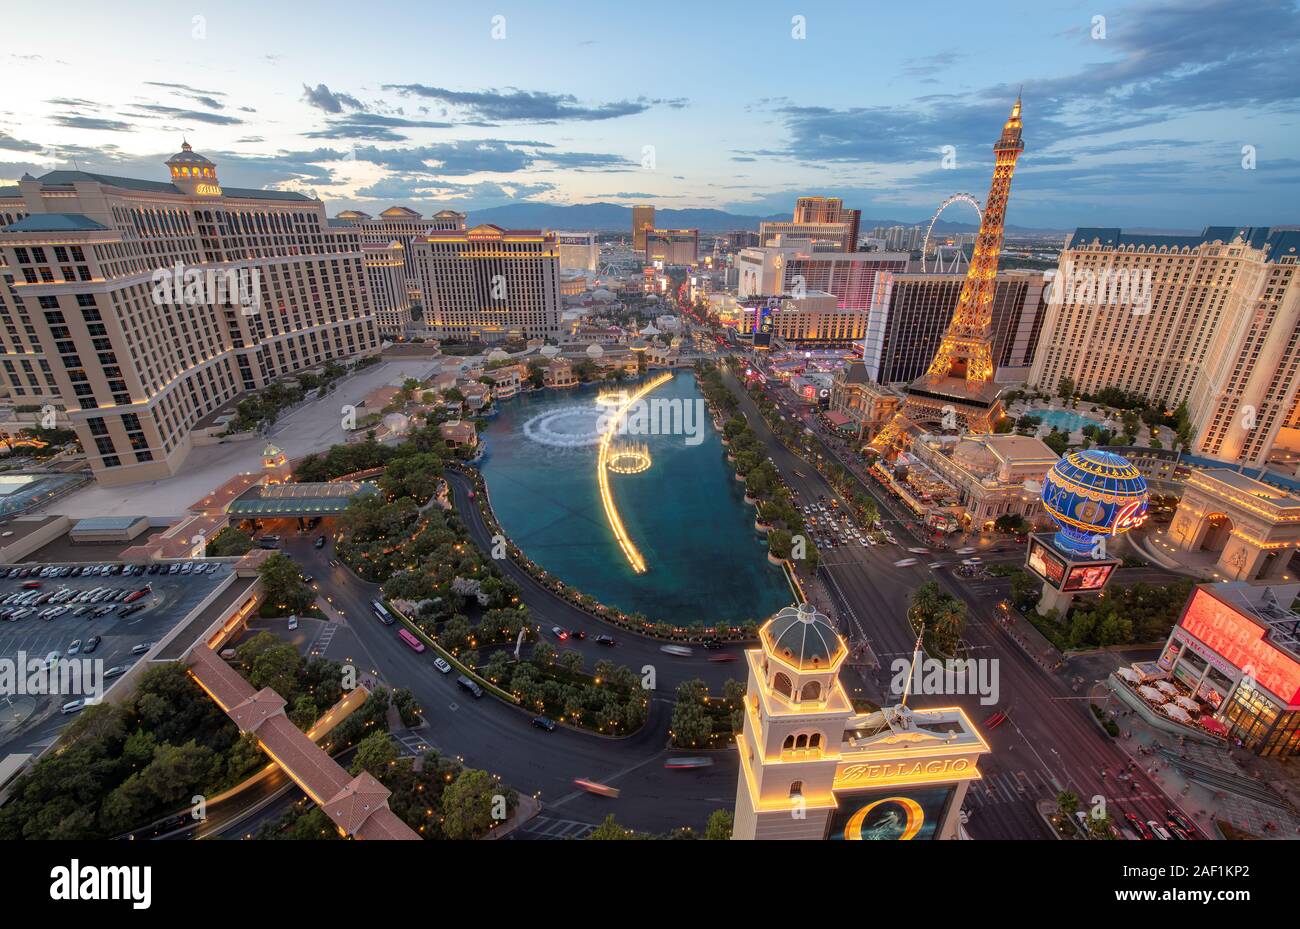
{"points": [[1239, 640], [207, 190]]}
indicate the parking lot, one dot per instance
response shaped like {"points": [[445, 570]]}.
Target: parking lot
{"points": [[29, 722]]}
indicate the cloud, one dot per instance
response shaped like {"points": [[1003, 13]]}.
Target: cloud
{"points": [[324, 99], [205, 97], [74, 121], [198, 116], [11, 144], [515, 105], [373, 127]]}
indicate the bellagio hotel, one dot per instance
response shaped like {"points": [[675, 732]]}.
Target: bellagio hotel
{"points": [[83, 327]]}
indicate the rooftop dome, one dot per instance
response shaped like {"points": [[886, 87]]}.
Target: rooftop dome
{"points": [[187, 156], [802, 637], [594, 350], [975, 456]]}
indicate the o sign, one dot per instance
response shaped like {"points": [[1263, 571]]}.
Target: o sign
{"points": [[915, 818]]}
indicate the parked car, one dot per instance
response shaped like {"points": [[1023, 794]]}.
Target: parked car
{"points": [[441, 665], [466, 684], [541, 722], [92, 643]]}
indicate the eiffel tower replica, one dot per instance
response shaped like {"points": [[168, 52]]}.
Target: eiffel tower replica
{"points": [[957, 392]]}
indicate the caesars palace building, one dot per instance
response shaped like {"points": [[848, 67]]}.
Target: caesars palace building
{"points": [[87, 327], [812, 767]]}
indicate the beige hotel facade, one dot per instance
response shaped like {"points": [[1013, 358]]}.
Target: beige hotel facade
{"points": [[1212, 320], [83, 325]]}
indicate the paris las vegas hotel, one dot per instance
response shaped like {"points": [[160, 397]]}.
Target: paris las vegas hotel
{"points": [[82, 328]]}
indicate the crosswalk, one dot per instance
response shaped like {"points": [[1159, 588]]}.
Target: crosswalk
{"points": [[1021, 786], [547, 827], [324, 639]]}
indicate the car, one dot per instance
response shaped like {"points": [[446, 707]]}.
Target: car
{"points": [[577, 634], [1161, 832], [153, 568], [293, 623], [465, 683], [320, 541], [560, 632], [441, 665], [723, 657], [965, 551], [919, 551], [73, 706], [904, 562], [308, 578], [1181, 820], [173, 568], [126, 611], [116, 671], [542, 722], [698, 761], [187, 567], [680, 651], [602, 639], [712, 644], [141, 648], [593, 787], [935, 565], [1141, 829], [52, 659], [1178, 832], [92, 643], [74, 648]]}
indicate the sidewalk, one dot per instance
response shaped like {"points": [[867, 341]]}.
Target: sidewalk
{"points": [[1158, 753]]}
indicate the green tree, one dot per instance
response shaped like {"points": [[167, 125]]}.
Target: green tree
{"points": [[374, 754], [609, 830], [467, 804], [283, 585], [229, 542], [943, 615], [720, 825]]}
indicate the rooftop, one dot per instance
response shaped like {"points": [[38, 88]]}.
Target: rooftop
{"points": [[55, 222], [1278, 243]]}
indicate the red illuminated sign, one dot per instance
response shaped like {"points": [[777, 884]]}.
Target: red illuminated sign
{"points": [[1241, 641]]}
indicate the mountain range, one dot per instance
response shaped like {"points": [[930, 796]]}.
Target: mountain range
{"points": [[611, 217]]}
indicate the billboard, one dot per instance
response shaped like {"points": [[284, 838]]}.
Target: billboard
{"points": [[1088, 576], [1045, 562], [890, 814]]}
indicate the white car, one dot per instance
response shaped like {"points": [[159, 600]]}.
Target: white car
{"points": [[904, 563], [75, 647], [679, 650], [441, 665]]}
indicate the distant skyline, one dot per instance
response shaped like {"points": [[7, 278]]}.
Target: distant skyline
{"points": [[1139, 120]]}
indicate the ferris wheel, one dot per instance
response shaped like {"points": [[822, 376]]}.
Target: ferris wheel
{"points": [[955, 198]]}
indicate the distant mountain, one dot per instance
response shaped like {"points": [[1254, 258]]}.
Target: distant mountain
{"points": [[611, 217]]}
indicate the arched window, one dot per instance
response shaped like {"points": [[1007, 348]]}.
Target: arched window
{"points": [[811, 691], [801, 742], [788, 743], [782, 684], [796, 789], [815, 741]]}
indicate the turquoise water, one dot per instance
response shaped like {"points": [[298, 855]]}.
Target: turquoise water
{"points": [[1065, 420], [686, 514]]}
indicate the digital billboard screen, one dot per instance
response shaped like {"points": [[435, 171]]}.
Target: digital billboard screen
{"points": [[890, 815], [1088, 576], [1046, 563]]}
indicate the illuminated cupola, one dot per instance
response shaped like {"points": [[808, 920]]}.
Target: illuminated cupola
{"points": [[192, 173]]}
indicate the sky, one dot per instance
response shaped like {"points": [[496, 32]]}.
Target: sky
{"points": [[1136, 114]]}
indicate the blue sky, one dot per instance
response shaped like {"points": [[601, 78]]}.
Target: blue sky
{"points": [[1139, 120]]}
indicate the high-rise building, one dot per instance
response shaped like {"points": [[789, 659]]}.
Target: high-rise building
{"points": [[672, 246], [911, 312], [490, 284], [643, 218], [958, 392], [1210, 320], [386, 276], [402, 224], [578, 251], [812, 318], [151, 304], [784, 269], [822, 221]]}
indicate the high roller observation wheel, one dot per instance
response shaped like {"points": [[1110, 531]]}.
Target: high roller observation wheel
{"points": [[955, 198]]}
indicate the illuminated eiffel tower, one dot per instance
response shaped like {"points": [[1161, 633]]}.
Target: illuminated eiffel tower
{"points": [[957, 393]]}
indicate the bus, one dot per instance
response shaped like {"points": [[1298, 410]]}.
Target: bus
{"points": [[405, 636], [385, 617]]}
